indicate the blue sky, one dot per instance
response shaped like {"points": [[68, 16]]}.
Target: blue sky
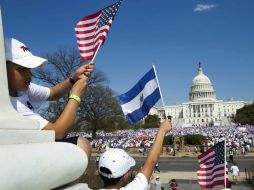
{"points": [[173, 34]]}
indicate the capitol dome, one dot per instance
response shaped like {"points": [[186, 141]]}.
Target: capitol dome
{"points": [[201, 78], [201, 88]]}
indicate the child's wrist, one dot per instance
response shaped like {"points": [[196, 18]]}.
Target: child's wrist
{"points": [[75, 97]]}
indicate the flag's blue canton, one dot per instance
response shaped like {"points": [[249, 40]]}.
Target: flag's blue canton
{"points": [[108, 14], [219, 153]]}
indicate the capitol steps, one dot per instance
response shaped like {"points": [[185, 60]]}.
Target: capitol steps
{"points": [[177, 122]]}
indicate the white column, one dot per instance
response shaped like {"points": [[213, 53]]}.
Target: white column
{"points": [[6, 121]]}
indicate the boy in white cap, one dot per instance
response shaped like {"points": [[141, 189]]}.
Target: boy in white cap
{"points": [[26, 96], [115, 164]]}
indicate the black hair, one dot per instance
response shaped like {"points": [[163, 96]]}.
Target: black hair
{"points": [[108, 181], [8, 62]]}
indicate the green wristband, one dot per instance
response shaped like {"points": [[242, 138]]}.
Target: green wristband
{"points": [[75, 97]]}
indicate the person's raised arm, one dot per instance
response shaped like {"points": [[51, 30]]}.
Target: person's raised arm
{"points": [[66, 120], [61, 89], [154, 153]]}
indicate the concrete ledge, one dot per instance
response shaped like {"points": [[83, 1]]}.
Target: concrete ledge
{"points": [[11, 119], [40, 166], [9, 137]]}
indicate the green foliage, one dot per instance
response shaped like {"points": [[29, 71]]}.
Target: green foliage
{"points": [[194, 139], [137, 125], [99, 107], [245, 115], [168, 140], [114, 123], [151, 121]]}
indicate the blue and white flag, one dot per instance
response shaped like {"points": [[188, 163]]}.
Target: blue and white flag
{"points": [[137, 102]]}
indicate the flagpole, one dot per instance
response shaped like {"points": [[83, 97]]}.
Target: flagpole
{"points": [[225, 163], [97, 50], [159, 90]]}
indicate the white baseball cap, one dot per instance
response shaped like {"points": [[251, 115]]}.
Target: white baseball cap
{"points": [[19, 53], [117, 161]]}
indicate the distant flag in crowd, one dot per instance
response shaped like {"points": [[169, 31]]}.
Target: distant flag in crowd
{"points": [[93, 29], [137, 102], [212, 167]]}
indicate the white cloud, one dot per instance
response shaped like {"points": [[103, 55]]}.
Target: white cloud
{"points": [[203, 7]]}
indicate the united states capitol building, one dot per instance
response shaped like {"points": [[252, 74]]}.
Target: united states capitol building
{"points": [[203, 108]]}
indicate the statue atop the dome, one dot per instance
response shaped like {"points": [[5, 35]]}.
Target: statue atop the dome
{"points": [[199, 64], [200, 71]]}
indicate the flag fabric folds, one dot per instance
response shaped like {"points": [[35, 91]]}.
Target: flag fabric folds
{"points": [[212, 164], [137, 102], [94, 28]]}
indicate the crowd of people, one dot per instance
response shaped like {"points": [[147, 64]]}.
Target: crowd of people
{"points": [[239, 138]]}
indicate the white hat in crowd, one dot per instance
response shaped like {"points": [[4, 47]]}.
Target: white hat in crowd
{"points": [[157, 177], [117, 161], [19, 53]]}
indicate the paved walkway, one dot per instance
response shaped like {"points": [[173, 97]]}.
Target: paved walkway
{"points": [[188, 180], [193, 185], [165, 176]]}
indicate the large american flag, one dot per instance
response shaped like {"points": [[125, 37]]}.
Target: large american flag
{"points": [[212, 167], [94, 28]]}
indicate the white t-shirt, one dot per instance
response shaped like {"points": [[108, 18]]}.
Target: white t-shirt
{"points": [[29, 101], [234, 170], [140, 183]]}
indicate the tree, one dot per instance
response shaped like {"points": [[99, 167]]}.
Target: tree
{"points": [[98, 103], [152, 121], [245, 115], [114, 123], [168, 140], [195, 139], [97, 106]]}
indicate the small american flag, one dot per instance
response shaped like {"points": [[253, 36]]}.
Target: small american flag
{"points": [[93, 29], [212, 167]]}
